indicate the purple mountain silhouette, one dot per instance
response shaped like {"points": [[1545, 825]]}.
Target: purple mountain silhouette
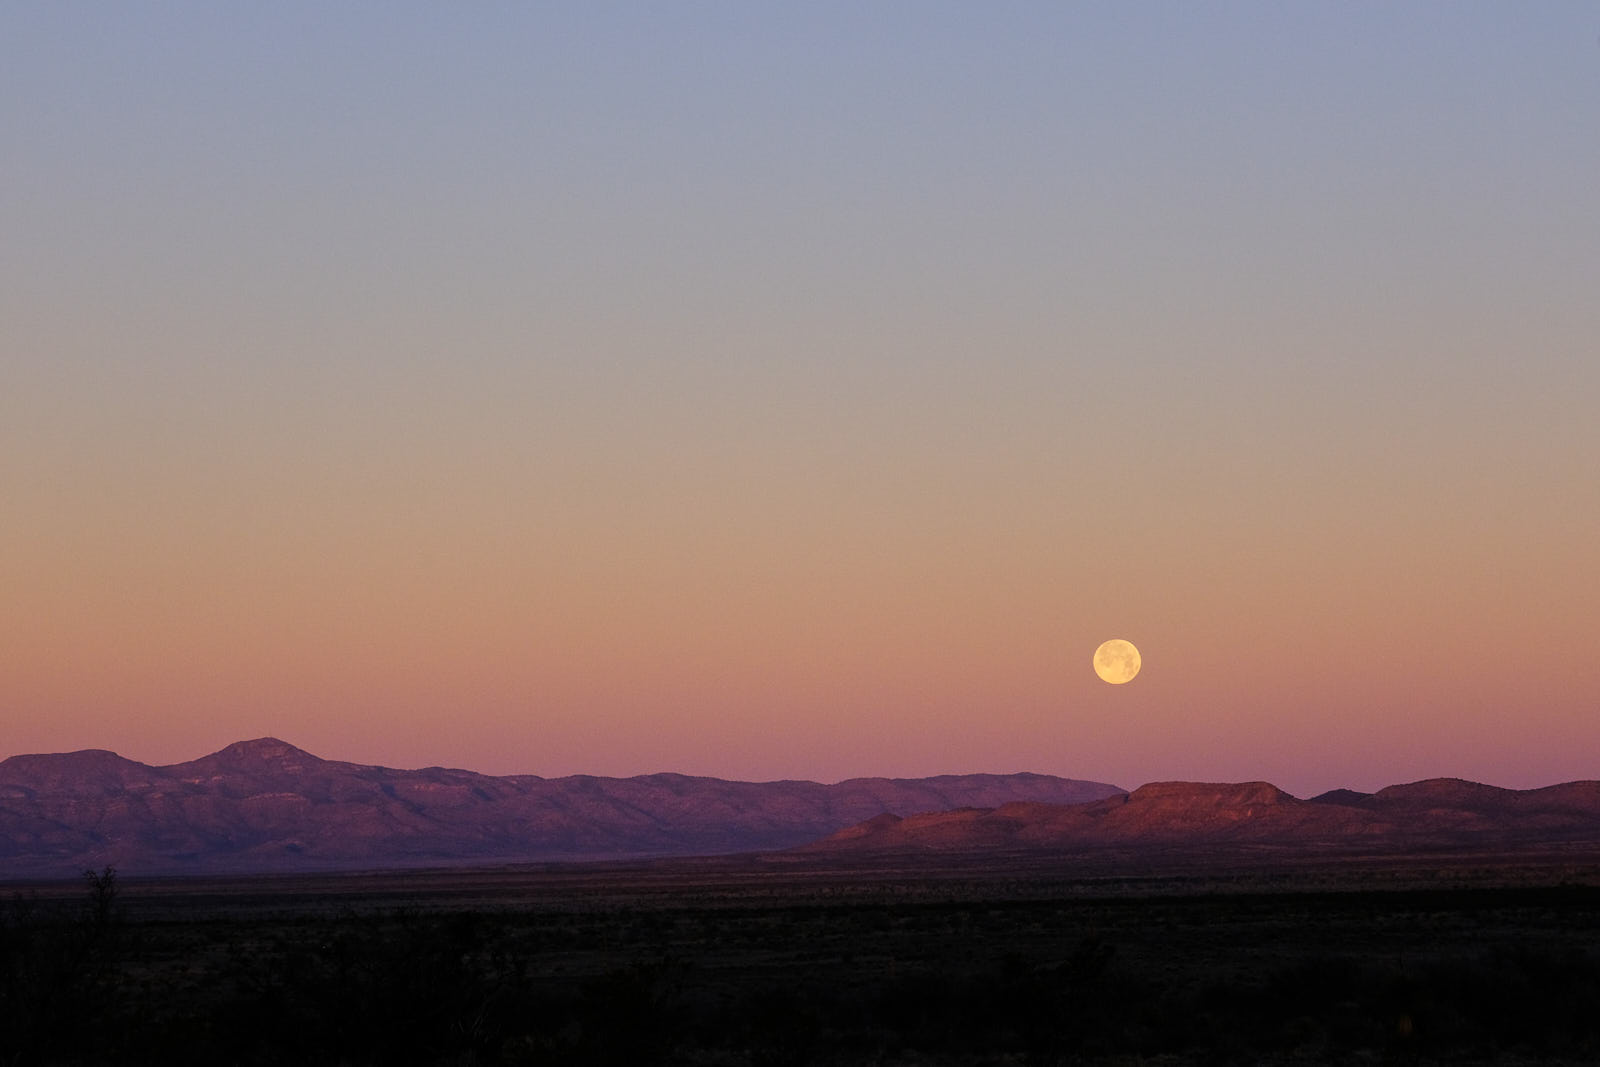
{"points": [[266, 805], [1252, 818]]}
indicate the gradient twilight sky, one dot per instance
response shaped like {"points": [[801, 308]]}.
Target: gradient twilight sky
{"points": [[806, 390]]}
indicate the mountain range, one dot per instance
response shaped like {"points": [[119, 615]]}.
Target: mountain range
{"points": [[1251, 819], [265, 805]]}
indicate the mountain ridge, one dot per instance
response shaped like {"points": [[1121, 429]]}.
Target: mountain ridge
{"points": [[267, 805], [1255, 818]]}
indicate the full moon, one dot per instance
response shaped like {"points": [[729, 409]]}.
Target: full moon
{"points": [[1116, 661]]}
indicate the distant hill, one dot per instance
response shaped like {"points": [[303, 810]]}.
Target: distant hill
{"points": [[266, 805], [1252, 819]]}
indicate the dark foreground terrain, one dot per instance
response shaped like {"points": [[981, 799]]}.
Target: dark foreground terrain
{"points": [[748, 961]]}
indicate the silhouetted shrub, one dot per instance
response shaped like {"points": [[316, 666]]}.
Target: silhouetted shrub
{"points": [[59, 980]]}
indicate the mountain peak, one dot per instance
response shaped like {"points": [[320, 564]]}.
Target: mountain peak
{"points": [[1347, 797], [261, 753], [1437, 791], [95, 770], [1210, 794], [265, 748]]}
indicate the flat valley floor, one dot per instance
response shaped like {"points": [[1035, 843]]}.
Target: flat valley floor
{"points": [[762, 961]]}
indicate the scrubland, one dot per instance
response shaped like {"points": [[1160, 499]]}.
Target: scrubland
{"points": [[746, 962]]}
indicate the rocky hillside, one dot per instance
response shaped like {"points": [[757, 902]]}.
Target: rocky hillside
{"points": [[267, 805], [1250, 818]]}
